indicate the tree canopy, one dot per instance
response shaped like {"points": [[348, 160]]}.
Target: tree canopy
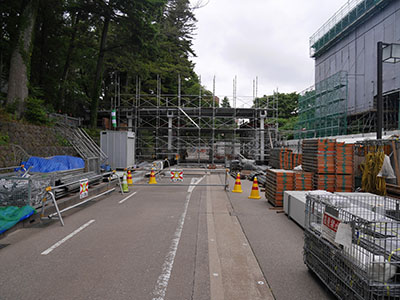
{"points": [[77, 46]]}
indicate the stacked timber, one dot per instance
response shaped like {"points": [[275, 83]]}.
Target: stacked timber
{"points": [[344, 167], [278, 181], [303, 181]]}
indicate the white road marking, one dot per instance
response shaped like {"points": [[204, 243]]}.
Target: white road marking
{"points": [[59, 243], [191, 188], [162, 282], [126, 198]]}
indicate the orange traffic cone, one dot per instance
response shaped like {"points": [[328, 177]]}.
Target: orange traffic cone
{"points": [[255, 194], [129, 178], [238, 186], [152, 178]]}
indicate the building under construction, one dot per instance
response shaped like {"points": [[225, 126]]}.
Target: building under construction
{"points": [[195, 128], [343, 99]]}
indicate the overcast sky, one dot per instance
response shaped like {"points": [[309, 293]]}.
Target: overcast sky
{"points": [[264, 38]]}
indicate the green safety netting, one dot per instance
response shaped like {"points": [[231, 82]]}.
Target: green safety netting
{"points": [[11, 215]]}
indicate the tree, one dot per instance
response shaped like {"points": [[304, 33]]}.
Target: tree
{"points": [[225, 102], [20, 58]]}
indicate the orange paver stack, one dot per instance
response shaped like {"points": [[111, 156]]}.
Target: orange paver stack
{"points": [[344, 183], [303, 181], [344, 167], [296, 159], [281, 158], [278, 181], [319, 156], [324, 182]]}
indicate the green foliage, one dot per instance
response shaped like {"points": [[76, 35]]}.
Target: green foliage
{"points": [[35, 112], [4, 139], [145, 38], [94, 133], [225, 102], [62, 141]]}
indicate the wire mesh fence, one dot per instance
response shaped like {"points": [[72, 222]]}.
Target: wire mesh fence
{"points": [[353, 245]]}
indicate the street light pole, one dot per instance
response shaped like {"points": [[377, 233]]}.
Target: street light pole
{"points": [[379, 97]]}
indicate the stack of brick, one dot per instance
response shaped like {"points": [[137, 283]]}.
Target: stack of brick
{"points": [[344, 167], [278, 181], [319, 158]]}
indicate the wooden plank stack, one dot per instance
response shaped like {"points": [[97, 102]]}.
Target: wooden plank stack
{"points": [[303, 181], [344, 167], [278, 181]]}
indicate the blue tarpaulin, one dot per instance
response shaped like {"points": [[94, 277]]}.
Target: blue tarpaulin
{"points": [[11, 215], [53, 164]]}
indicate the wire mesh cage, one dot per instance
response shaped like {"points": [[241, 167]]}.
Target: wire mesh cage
{"points": [[21, 191], [353, 245]]}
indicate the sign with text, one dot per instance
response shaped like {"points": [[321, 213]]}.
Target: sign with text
{"points": [[330, 224]]}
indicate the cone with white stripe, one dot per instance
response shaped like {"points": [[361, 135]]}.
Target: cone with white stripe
{"points": [[124, 184], [255, 194], [238, 186]]}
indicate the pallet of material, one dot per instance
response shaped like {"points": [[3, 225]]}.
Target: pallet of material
{"points": [[278, 181], [303, 181], [344, 158], [324, 182], [319, 156], [344, 183], [296, 160], [281, 158]]}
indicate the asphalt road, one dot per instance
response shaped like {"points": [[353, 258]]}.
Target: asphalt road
{"points": [[161, 242]]}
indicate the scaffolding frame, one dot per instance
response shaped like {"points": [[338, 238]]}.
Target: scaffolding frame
{"points": [[194, 128], [349, 15], [323, 108]]}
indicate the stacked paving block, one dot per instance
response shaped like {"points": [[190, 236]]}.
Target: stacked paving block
{"points": [[344, 167], [319, 157], [278, 181], [296, 159], [303, 181], [280, 158]]}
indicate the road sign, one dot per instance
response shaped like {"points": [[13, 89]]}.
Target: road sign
{"points": [[84, 188]]}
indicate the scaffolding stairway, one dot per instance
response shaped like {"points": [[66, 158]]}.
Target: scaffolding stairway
{"points": [[82, 142]]}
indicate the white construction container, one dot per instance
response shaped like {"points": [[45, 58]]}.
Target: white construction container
{"points": [[119, 147], [294, 204]]}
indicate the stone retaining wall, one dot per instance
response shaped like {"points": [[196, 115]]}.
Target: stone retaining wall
{"points": [[40, 141]]}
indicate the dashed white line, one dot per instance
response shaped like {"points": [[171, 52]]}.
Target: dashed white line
{"points": [[59, 243], [162, 282], [126, 198]]}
